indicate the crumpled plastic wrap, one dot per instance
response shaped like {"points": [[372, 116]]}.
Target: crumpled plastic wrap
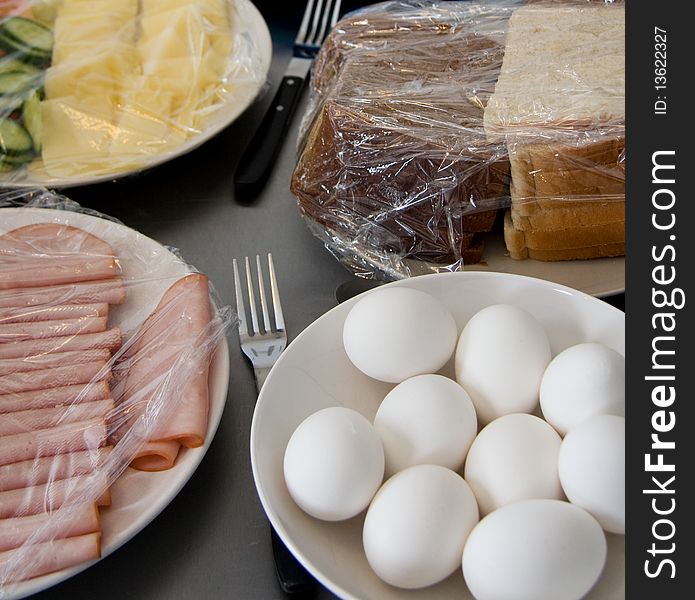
{"points": [[400, 172], [107, 346], [125, 85]]}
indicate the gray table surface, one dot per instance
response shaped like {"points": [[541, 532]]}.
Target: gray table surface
{"points": [[213, 541]]}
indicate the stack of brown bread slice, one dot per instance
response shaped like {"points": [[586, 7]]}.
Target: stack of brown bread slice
{"points": [[395, 160]]}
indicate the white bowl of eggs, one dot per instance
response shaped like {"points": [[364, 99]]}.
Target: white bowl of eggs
{"points": [[455, 435]]}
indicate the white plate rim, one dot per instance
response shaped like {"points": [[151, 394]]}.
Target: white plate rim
{"points": [[176, 477], [269, 510], [256, 28]]}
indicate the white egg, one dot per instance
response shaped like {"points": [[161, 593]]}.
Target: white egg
{"points": [[417, 525], [534, 550], [500, 358], [513, 458], [582, 381], [592, 469], [334, 464], [395, 333], [427, 419]]}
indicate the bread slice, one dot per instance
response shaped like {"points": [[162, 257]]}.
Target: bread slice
{"points": [[583, 243], [563, 69], [573, 215]]}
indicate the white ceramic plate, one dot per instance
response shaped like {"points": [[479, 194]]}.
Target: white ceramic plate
{"points": [[247, 24], [314, 372], [598, 277], [137, 497]]}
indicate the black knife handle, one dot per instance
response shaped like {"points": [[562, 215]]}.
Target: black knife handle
{"points": [[259, 156], [293, 577]]}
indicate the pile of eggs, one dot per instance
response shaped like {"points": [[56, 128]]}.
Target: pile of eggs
{"points": [[459, 473]]}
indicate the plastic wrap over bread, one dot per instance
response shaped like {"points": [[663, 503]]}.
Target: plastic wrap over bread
{"points": [[106, 346], [400, 170], [91, 88], [559, 103], [395, 162]]}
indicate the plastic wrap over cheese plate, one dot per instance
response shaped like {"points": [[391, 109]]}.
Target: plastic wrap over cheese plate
{"points": [[91, 90], [113, 379]]}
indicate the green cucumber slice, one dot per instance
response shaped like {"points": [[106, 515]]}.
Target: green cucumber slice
{"points": [[7, 63], [31, 34], [31, 116], [15, 142], [26, 40], [16, 82]]}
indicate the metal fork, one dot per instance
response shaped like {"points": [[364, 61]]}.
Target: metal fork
{"points": [[252, 171], [263, 347]]}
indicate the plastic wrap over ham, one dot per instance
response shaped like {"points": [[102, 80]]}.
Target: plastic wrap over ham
{"points": [[106, 344]]}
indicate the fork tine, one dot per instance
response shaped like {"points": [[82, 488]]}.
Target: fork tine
{"points": [[324, 23], [261, 294], [301, 35], [277, 307], [252, 298], [336, 13], [239, 300], [318, 9]]}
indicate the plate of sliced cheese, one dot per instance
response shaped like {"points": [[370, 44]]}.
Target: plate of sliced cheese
{"points": [[92, 90]]}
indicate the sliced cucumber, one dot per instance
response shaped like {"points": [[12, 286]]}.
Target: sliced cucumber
{"points": [[7, 63], [16, 144], [31, 116], [16, 82], [28, 40]]}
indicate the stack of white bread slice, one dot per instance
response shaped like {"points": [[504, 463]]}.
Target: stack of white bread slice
{"points": [[560, 104]]}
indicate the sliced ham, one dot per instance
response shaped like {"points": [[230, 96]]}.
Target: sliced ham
{"points": [[156, 456], [36, 471], [51, 496], [40, 362], [173, 332], [111, 291], [47, 526], [55, 377], [109, 339], [47, 254], [13, 332], [57, 270], [70, 394], [70, 437], [53, 313], [44, 418], [48, 557]]}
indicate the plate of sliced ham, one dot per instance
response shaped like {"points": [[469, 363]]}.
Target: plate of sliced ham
{"points": [[114, 369]]}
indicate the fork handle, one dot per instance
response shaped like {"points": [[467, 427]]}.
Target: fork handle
{"points": [[294, 579], [259, 156]]}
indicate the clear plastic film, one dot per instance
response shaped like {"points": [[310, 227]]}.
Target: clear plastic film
{"points": [[108, 342], [400, 172], [96, 88]]}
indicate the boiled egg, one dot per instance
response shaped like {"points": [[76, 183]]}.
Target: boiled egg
{"points": [[417, 525], [592, 469], [427, 419], [514, 458], [534, 550], [582, 381], [500, 359], [395, 333], [334, 464]]}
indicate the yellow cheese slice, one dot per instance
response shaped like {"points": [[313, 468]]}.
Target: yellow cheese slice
{"points": [[76, 137]]}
